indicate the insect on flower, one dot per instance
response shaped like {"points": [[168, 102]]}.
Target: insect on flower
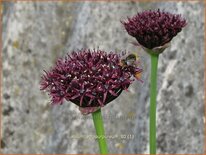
{"points": [[131, 59]]}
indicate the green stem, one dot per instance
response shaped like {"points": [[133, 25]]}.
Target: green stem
{"points": [[98, 123], [153, 94]]}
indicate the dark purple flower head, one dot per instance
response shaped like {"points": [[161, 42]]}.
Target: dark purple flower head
{"points": [[88, 78], [154, 29]]}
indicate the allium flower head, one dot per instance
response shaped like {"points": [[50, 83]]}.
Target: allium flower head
{"points": [[154, 29], [88, 78]]}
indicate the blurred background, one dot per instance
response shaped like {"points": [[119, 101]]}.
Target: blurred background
{"points": [[35, 34]]}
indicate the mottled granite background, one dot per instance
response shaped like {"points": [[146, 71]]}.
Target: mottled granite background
{"points": [[35, 34]]}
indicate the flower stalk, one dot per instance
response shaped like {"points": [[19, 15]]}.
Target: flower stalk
{"points": [[98, 123], [153, 95]]}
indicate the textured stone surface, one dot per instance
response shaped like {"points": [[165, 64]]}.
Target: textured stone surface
{"points": [[36, 34]]}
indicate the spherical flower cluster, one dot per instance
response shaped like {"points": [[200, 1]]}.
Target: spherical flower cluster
{"points": [[154, 29], [88, 78]]}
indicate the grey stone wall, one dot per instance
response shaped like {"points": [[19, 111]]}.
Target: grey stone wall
{"points": [[35, 34]]}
